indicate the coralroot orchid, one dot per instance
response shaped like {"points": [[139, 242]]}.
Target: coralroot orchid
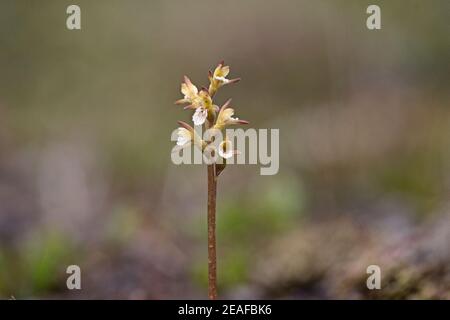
{"points": [[209, 115]]}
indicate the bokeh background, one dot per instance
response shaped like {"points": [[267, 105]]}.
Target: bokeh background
{"points": [[85, 170]]}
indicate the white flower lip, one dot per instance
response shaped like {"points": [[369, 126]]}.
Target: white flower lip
{"points": [[228, 117], [223, 79], [225, 149], [184, 136], [199, 116]]}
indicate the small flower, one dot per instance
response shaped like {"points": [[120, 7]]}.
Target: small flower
{"points": [[200, 101], [221, 72], [190, 92], [225, 117], [184, 136], [226, 149], [200, 116], [203, 106], [218, 78]]}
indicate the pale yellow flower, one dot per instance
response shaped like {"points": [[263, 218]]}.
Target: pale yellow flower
{"points": [[221, 72], [199, 100], [202, 105], [225, 117], [218, 78], [186, 134], [190, 92]]}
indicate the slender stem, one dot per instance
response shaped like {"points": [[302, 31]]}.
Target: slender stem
{"points": [[212, 264]]}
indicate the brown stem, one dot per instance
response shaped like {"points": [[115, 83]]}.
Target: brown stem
{"points": [[212, 264]]}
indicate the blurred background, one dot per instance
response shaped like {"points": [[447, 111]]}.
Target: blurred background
{"points": [[85, 170]]}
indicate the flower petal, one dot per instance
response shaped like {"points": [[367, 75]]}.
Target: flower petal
{"points": [[200, 116], [188, 89], [184, 136], [226, 149], [222, 79]]}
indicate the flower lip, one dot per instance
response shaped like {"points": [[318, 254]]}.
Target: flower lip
{"points": [[199, 116], [226, 149], [184, 136], [223, 79]]}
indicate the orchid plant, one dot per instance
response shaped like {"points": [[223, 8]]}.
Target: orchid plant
{"points": [[210, 117]]}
